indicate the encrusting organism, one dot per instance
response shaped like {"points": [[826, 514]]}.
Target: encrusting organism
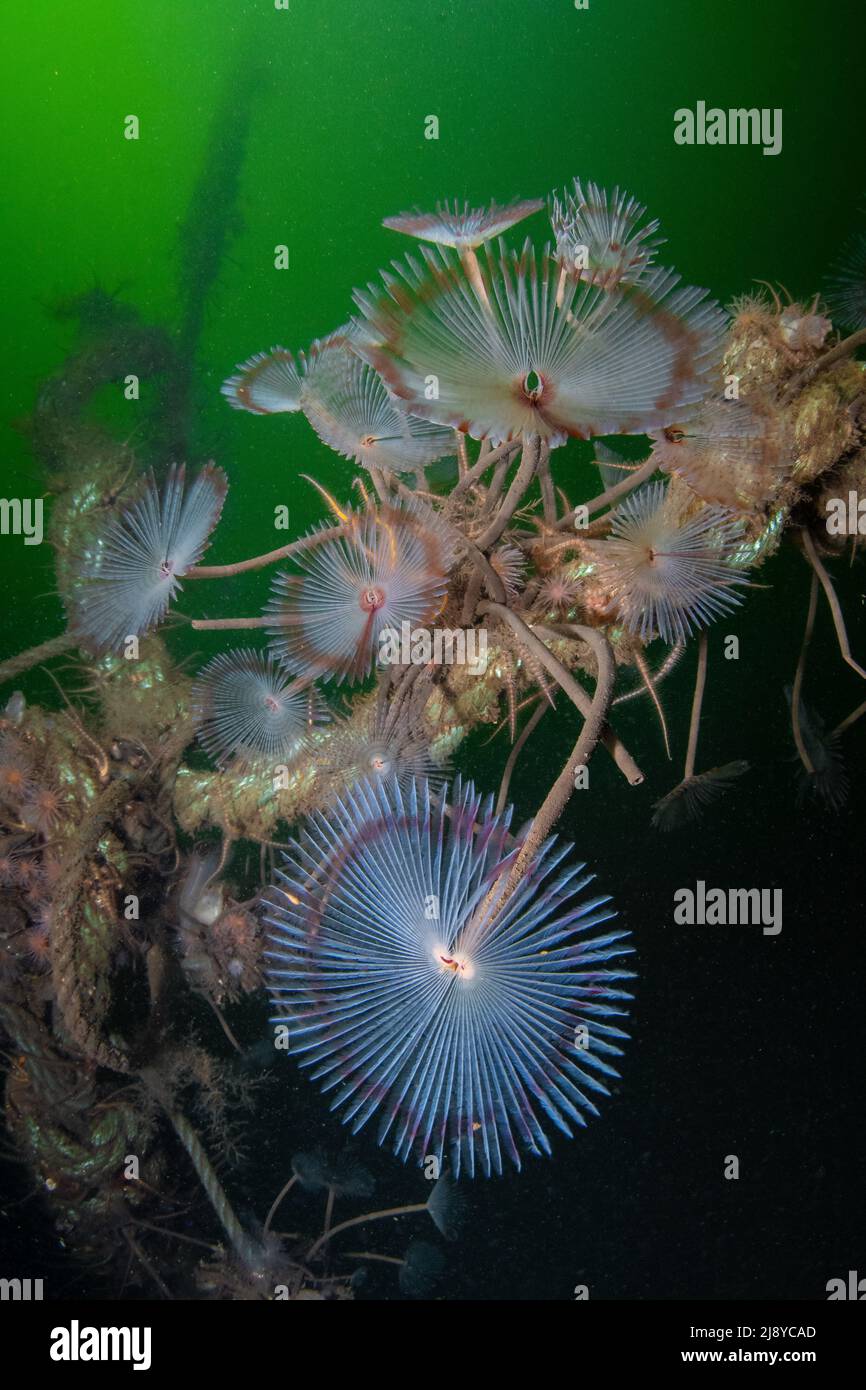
{"points": [[453, 985], [451, 1016], [732, 454], [387, 568], [599, 236], [846, 284], [384, 738], [826, 779], [130, 572], [463, 228], [351, 410], [667, 566], [247, 708], [544, 355]]}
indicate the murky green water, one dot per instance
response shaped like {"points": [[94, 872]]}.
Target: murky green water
{"points": [[740, 1045]]}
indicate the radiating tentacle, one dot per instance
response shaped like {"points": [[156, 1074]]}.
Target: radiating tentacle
{"points": [[418, 998]]}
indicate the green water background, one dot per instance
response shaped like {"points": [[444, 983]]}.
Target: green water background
{"points": [[733, 1045], [527, 96]]}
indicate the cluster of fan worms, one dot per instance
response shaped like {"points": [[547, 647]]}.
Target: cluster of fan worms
{"points": [[443, 975]]}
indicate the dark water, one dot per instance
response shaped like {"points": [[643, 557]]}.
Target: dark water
{"points": [[742, 1044]]}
